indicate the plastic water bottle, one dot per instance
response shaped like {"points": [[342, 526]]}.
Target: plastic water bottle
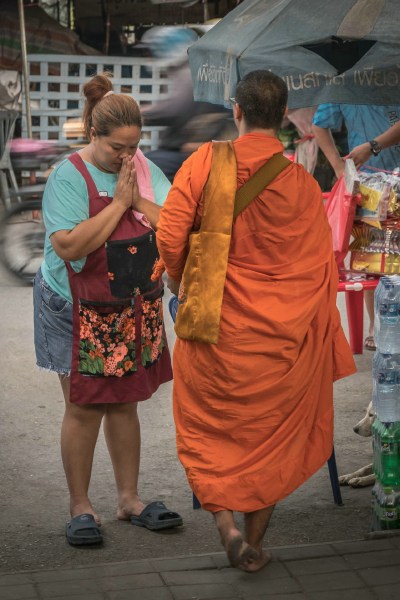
{"points": [[389, 518], [386, 388], [388, 309], [385, 508], [376, 365], [374, 508], [380, 288], [387, 304], [386, 452]]}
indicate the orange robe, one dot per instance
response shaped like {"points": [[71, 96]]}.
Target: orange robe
{"points": [[254, 413]]}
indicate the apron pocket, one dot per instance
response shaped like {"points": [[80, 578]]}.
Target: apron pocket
{"points": [[130, 265], [153, 336], [106, 339]]}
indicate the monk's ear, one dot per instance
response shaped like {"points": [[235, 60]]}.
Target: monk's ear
{"points": [[237, 111], [285, 114]]}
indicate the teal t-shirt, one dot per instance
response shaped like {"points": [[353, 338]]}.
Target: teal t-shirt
{"points": [[66, 204]]}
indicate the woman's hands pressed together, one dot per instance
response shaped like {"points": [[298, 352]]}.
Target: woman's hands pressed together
{"points": [[89, 235], [127, 184], [92, 233], [127, 193]]}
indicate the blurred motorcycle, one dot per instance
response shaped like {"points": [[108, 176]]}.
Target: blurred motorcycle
{"points": [[187, 123], [22, 230]]}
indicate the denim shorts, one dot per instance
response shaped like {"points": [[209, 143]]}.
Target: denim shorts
{"points": [[52, 320]]}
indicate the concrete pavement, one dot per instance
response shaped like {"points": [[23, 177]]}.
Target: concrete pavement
{"points": [[366, 569]]}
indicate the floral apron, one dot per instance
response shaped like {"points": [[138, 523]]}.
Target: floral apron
{"points": [[119, 350]]}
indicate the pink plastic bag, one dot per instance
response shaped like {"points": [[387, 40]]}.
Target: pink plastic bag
{"points": [[340, 208]]}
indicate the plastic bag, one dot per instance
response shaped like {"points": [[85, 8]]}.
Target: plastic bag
{"points": [[375, 250], [340, 208]]}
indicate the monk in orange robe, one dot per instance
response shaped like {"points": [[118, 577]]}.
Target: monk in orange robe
{"points": [[254, 412]]}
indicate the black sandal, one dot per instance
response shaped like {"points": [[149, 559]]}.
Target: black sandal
{"points": [[157, 516], [83, 531]]}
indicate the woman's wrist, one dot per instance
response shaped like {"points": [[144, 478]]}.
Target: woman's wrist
{"points": [[149, 209], [338, 166], [140, 204], [118, 205]]}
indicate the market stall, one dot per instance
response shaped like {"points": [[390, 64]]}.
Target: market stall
{"points": [[364, 213]]}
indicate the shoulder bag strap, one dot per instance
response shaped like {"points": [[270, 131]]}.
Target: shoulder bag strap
{"points": [[79, 164], [259, 181]]}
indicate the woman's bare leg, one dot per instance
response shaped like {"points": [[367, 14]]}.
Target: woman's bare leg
{"points": [[79, 432], [122, 433], [256, 524], [240, 554]]}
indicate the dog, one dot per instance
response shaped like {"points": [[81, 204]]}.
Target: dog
{"points": [[364, 476]]}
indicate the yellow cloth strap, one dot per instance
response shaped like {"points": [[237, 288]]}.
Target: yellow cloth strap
{"points": [[259, 181], [220, 189], [202, 287]]}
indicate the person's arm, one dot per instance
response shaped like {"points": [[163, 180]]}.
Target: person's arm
{"points": [[327, 144], [179, 213], [360, 154], [173, 285], [91, 233], [150, 209]]}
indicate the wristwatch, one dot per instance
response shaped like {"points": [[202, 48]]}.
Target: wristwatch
{"points": [[375, 147]]}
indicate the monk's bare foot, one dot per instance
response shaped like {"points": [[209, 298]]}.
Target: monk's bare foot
{"points": [[239, 553], [84, 508], [129, 507], [253, 565]]}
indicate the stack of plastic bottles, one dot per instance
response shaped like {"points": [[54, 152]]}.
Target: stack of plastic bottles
{"points": [[386, 405]]}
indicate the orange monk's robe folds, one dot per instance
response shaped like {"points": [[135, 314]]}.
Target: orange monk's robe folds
{"points": [[254, 413]]}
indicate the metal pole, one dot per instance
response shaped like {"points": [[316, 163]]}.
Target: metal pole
{"points": [[108, 25], [25, 68], [205, 11]]}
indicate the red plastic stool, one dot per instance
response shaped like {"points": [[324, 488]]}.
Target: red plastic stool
{"points": [[354, 290]]}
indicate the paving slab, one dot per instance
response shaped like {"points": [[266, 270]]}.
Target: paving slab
{"points": [[365, 568]]}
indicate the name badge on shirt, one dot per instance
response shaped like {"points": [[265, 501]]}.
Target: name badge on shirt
{"points": [[103, 193]]}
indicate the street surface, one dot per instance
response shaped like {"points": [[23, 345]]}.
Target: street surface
{"points": [[33, 493]]}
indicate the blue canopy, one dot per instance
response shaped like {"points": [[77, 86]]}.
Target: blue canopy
{"points": [[344, 51]]}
